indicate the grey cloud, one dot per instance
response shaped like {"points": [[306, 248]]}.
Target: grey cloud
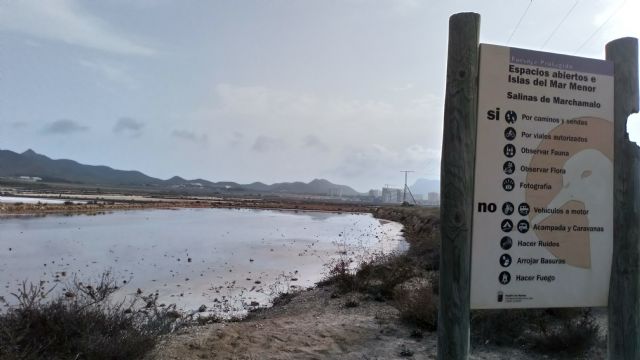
{"points": [[190, 136], [236, 138], [19, 124], [63, 126], [113, 72], [128, 126], [266, 144], [67, 22], [378, 161], [312, 141]]}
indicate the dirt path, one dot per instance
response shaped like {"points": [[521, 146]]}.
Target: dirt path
{"points": [[316, 326], [312, 326]]}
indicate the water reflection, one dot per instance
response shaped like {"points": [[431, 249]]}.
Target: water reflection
{"points": [[190, 256]]}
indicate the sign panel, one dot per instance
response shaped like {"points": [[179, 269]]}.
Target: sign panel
{"points": [[543, 217]]}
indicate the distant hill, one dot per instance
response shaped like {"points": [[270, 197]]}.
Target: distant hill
{"points": [[425, 186], [315, 187], [30, 163]]}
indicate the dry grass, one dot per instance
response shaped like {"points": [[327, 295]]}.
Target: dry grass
{"points": [[418, 307], [81, 322], [570, 331]]}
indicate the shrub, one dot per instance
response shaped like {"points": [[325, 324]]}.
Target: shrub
{"points": [[341, 276], [573, 335], [418, 306], [571, 331], [380, 276], [501, 327], [351, 303], [377, 277], [82, 322]]}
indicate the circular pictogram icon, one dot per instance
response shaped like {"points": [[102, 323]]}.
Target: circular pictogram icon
{"points": [[508, 184], [511, 116], [506, 243], [523, 226], [505, 260], [506, 225], [504, 278], [509, 167], [509, 150], [509, 133], [507, 208], [524, 209]]}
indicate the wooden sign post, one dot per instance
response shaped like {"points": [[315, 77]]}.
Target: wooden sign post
{"points": [[598, 92], [624, 288], [457, 172]]}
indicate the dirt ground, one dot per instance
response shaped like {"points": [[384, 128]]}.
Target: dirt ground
{"points": [[315, 325]]}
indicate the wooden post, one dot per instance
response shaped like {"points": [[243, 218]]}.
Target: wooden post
{"points": [[457, 174], [624, 289]]}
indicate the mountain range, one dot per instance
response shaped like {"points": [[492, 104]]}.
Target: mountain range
{"points": [[32, 164]]}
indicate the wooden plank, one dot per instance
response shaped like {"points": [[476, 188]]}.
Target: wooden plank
{"points": [[624, 289], [457, 174]]}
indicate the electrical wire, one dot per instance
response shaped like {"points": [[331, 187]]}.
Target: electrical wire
{"points": [[519, 21], [601, 26], [560, 24]]}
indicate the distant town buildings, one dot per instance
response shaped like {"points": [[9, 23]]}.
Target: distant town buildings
{"points": [[433, 198], [389, 195], [335, 192], [29, 178], [375, 193]]}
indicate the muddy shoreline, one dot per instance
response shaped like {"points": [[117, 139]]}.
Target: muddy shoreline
{"points": [[324, 323], [99, 206]]}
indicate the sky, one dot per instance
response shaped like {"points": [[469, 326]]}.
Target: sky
{"points": [[266, 90]]}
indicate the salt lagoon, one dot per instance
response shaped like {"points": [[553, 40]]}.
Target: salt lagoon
{"points": [[224, 259]]}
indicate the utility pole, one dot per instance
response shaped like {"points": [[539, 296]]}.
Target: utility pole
{"points": [[404, 191]]}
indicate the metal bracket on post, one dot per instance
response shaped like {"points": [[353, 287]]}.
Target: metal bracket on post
{"points": [[457, 174], [624, 288]]}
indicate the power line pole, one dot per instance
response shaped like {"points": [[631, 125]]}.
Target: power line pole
{"points": [[404, 191]]}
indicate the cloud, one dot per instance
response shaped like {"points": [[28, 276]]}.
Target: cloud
{"points": [[405, 7], [287, 127], [405, 87], [633, 127], [415, 117], [190, 136], [111, 72], [267, 144], [19, 125], [65, 21], [236, 139], [63, 126], [624, 20], [313, 142], [378, 161], [128, 126]]}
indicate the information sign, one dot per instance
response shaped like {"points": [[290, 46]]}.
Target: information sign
{"points": [[543, 206]]}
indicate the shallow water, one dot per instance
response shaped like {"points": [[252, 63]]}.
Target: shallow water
{"points": [[30, 200], [221, 258]]}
